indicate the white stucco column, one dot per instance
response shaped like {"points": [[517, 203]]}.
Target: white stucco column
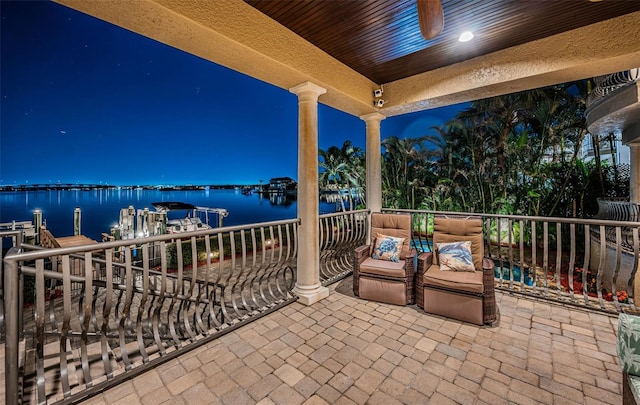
{"points": [[373, 158], [308, 287], [634, 180]]}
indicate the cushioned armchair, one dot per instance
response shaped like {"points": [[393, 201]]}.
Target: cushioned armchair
{"points": [[384, 270], [456, 280], [628, 348]]}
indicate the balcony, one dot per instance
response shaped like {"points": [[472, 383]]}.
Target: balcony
{"points": [[227, 328], [343, 350], [613, 105]]}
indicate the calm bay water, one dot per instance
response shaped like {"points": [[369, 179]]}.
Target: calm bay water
{"points": [[101, 208]]}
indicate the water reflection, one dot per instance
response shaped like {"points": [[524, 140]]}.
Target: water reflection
{"points": [[101, 208]]}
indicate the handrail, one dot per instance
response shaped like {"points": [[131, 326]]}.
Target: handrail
{"points": [[340, 234], [607, 84], [16, 241], [618, 209], [138, 303], [590, 263]]}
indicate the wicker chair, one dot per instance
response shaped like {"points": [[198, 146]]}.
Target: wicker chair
{"points": [[386, 280], [467, 296]]}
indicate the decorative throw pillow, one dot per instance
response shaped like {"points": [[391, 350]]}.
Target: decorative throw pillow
{"points": [[455, 256], [387, 248]]}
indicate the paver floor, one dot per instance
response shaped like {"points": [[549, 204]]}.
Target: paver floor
{"points": [[344, 350]]}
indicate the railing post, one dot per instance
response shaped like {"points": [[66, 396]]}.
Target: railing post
{"points": [[12, 326]]}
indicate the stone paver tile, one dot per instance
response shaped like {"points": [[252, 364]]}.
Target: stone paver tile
{"points": [[171, 373], [353, 370], [341, 382], [519, 374], [285, 395], [609, 385], [315, 400], [263, 388], [131, 399], [374, 351], [147, 382], [357, 395], [185, 382], [307, 387], [245, 377], [605, 396], [199, 394], [369, 381], [490, 398], [157, 396], [322, 354], [289, 374], [393, 387], [190, 363], [455, 392], [344, 400], [345, 355], [221, 383], [120, 391], [383, 366], [440, 399], [321, 375], [363, 361], [441, 370], [328, 393], [426, 345], [296, 359], [531, 391], [236, 396], [308, 366]]}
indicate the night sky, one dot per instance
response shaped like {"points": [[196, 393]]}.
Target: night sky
{"points": [[84, 101]]}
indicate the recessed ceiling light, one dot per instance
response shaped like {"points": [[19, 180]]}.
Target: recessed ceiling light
{"points": [[466, 36]]}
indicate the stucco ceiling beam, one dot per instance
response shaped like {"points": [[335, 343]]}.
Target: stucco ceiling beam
{"points": [[594, 50], [235, 35]]}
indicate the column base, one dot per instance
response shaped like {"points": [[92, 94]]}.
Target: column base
{"points": [[308, 296]]}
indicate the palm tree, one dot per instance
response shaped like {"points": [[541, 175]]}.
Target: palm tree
{"points": [[343, 168], [406, 165]]}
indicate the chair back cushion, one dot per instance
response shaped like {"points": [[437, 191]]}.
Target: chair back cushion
{"points": [[446, 229], [396, 225]]}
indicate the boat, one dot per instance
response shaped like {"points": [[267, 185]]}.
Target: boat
{"points": [[195, 219], [167, 218]]}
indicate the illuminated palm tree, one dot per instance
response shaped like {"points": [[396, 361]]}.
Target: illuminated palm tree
{"points": [[343, 168]]}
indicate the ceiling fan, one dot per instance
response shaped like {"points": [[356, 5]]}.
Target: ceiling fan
{"points": [[430, 17]]}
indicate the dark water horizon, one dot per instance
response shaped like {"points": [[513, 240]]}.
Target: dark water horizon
{"points": [[100, 208]]}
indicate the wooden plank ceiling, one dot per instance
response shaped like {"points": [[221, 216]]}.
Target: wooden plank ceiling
{"points": [[381, 38]]}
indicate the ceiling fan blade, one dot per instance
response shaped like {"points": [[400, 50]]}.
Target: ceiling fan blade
{"points": [[430, 17]]}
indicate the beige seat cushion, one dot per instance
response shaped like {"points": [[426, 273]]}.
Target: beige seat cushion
{"points": [[455, 280], [383, 268]]}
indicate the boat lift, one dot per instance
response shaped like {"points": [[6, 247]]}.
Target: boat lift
{"points": [[140, 223]]}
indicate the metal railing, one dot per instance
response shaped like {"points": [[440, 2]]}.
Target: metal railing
{"points": [[14, 237], [103, 313], [606, 84], [340, 234], [618, 209], [99, 314], [567, 260]]}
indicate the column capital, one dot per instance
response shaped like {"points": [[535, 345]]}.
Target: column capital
{"points": [[374, 116], [308, 89]]}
